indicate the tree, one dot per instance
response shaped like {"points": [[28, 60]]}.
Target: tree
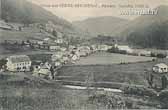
{"points": [[3, 62], [52, 72], [20, 28], [164, 82], [54, 33]]}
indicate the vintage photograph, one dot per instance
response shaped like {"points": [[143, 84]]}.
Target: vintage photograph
{"points": [[83, 54]]}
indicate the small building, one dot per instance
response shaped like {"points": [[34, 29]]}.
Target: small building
{"points": [[54, 47], [58, 63], [40, 42], [63, 49], [125, 48], [103, 47], [158, 77], [43, 72], [145, 53], [160, 68], [59, 41], [84, 51], [57, 56], [75, 57], [18, 63], [5, 26]]}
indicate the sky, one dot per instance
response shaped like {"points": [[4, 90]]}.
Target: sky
{"points": [[81, 13]]}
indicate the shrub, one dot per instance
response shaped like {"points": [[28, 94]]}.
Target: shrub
{"points": [[140, 91]]}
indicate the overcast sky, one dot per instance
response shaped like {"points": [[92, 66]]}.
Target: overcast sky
{"points": [[75, 14]]}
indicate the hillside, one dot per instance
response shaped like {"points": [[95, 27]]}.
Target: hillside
{"points": [[106, 25], [25, 12], [148, 31]]}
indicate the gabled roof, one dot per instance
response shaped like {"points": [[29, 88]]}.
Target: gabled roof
{"points": [[162, 65], [19, 58]]}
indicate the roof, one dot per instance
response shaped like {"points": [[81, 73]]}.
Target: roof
{"points": [[19, 58], [124, 47], [163, 65]]}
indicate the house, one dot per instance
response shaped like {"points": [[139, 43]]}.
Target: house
{"points": [[65, 59], [49, 26], [63, 49], [18, 63], [4, 25], [58, 63], [141, 52], [84, 51], [40, 42], [93, 48], [125, 48], [54, 47], [43, 72], [74, 58], [160, 68], [103, 47], [145, 53], [59, 41], [57, 56]]}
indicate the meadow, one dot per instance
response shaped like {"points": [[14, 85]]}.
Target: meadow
{"points": [[110, 58]]}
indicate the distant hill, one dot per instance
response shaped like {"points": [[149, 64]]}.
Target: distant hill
{"points": [[148, 30], [22, 11], [106, 25]]}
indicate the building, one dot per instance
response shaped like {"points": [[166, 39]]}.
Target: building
{"points": [[54, 47], [158, 77], [59, 41], [5, 26], [125, 48], [160, 68], [43, 72], [18, 63], [57, 56], [142, 52], [84, 51], [103, 47]]}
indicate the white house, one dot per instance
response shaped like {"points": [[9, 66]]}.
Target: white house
{"points": [[18, 63], [58, 63], [160, 68], [43, 72], [125, 48], [103, 47], [59, 41], [40, 42], [54, 47], [145, 53], [63, 49]]}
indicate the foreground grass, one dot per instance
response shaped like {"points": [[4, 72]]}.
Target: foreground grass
{"points": [[23, 92]]}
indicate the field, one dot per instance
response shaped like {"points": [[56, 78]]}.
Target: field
{"points": [[26, 34], [110, 58], [131, 73], [23, 92]]}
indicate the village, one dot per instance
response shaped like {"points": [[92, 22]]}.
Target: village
{"points": [[78, 64], [61, 50]]}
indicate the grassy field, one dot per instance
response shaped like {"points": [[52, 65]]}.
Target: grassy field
{"points": [[110, 58], [22, 92], [133, 73], [28, 33]]}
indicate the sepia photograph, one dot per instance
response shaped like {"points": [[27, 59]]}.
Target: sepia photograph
{"points": [[83, 54]]}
